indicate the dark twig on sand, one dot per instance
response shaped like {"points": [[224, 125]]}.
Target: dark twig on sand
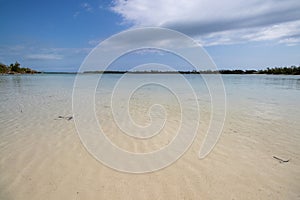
{"points": [[281, 160], [67, 118]]}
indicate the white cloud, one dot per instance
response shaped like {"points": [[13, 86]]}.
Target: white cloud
{"points": [[285, 33], [84, 7], [94, 42], [87, 7], [290, 41], [76, 14], [217, 22], [44, 57], [149, 51]]}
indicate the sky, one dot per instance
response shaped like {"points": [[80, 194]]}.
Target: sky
{"points": [[57, 35]]}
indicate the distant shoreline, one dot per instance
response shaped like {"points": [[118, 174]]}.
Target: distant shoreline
{"points": [[14, 69], [128, 72], [276, 71]]}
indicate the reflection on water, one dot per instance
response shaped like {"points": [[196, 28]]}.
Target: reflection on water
{"points": [[278, 81], [284, 82]]}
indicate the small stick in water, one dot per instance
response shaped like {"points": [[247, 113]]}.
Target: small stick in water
{"points": [[67, 118], [281, 160]]}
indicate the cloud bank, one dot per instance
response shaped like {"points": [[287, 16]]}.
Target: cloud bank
{"points": [[218, 22], [44, 57]]}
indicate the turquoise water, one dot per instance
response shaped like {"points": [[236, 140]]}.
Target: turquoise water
{"points": [[278, 95], [266, 97]]}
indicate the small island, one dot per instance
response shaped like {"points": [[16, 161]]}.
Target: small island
{"points": [[15, 69]]}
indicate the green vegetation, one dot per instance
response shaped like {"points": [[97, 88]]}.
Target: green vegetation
{"points": [[293, 70], [15, 69], [3, 69]]}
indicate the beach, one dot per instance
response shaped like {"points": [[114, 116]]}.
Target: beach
{"points": [[42, 156]]}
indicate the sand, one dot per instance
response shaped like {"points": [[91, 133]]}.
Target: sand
{"points": [[41, 157]]}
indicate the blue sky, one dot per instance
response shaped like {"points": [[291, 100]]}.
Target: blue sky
{"points": [[57, 35]]}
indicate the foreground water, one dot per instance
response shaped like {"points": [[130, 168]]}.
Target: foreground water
{"points": [[43, 158]]}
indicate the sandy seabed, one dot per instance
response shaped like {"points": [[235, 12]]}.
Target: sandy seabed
{"points": [[42, 157]]}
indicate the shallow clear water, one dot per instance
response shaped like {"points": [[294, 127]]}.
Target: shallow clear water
{"points": [[41, 156], [257, 98], [277, 95]]}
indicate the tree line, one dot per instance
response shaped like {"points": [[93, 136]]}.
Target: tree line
{"points": [[15, 68], [293, 70]]}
